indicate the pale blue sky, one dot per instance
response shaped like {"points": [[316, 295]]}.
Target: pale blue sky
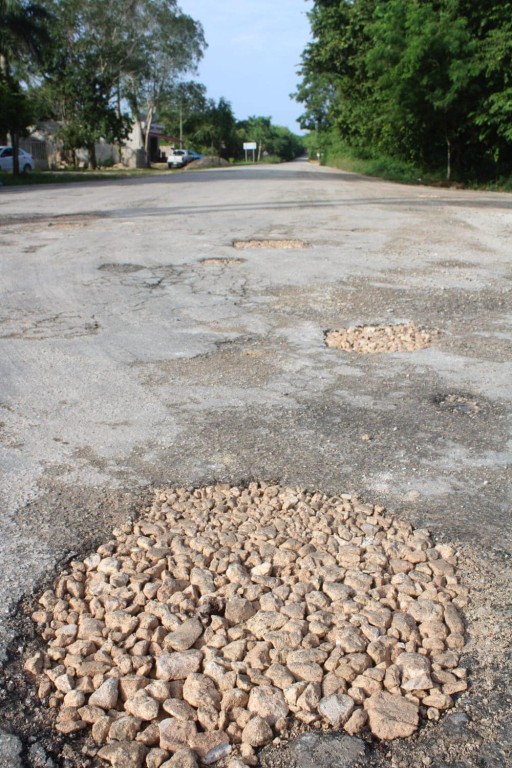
{"points": [[254, 50]]}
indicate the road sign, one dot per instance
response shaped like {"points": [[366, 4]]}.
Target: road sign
{"points": [[250, 145]]}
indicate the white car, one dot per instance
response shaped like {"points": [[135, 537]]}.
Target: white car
{"points": [[180, 157], [26, 160]]}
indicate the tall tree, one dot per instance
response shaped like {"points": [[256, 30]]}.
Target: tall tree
{"points": [[171, 45], [23, 35], [216, 129], [422, 80], [110, 53], [421, 64], [183, 110]]}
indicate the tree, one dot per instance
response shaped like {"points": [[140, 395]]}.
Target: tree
{"points": [[80, 72], [107, 55], [426, 81], [284, 144], [335, 84], [84, 102], [15, 113], [491, 25], [421, 64], [23, 34], [171, 45], [216, 129], [274, 140], [183, 110]]}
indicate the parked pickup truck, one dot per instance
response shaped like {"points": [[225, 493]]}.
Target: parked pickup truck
{"points": [[180, 157]]}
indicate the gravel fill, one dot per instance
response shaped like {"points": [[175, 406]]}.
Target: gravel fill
{"points": [[369, 339], [278, 244], [227, 616]]}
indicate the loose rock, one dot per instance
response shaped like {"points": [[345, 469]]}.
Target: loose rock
{"points": [[226, 613], [391, 717]]}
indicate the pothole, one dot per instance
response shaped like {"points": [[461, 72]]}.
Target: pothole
{"points": [[122, 269], [455, 402], [226, 615], [279, 244], [369, 339], [66, 220], [223, 262]]}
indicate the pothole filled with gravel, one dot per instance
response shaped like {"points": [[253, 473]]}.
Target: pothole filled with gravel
{"points": [[222, 262], [226, 616], [454, 402], [368, 339], [280, 244]]}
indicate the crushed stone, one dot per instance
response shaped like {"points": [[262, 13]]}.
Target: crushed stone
{"points": [[368, 339], [226, 616], [277, 244]]}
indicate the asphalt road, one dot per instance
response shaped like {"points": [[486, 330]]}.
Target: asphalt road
{"points": [[129, 360]]}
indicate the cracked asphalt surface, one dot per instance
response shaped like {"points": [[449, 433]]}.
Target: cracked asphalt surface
{"points": [[129, 360]]}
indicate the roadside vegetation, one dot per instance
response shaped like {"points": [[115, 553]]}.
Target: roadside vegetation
{"points": [[410, 91], [331, 150]]}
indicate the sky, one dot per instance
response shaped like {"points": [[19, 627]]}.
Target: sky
{"points": [[254, 51]]}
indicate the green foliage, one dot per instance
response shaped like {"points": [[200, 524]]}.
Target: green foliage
{"points": [[272, 140], [425, 82], [211, 127], [98, 66], [81, 98], [16, 111], [106, 54], [215, 128], [23, 34], [167, 44]]}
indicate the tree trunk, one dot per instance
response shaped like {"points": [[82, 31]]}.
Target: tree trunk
{"points": [[448, 159], [92, 156], [118, 111], [149, 120], [15, 142]]}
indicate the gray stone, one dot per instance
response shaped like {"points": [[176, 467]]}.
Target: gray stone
{"points": [[183, 758], [178, 666], [128, 754], [106, 695], [175, 734], [336, 709], [329, 751], [10, 750], [269, 703], [142, 706], [185, 636], [391, 717], [257, 732]]}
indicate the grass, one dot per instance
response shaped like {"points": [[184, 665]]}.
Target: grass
{"points": [[73, 176], [381, 167], [335, 153], [407, 173]]}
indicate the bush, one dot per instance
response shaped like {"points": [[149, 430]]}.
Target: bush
{"points": [[271, 159], [335, 152]]}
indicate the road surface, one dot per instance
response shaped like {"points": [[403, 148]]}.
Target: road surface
{"points": [[139, 349]]}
